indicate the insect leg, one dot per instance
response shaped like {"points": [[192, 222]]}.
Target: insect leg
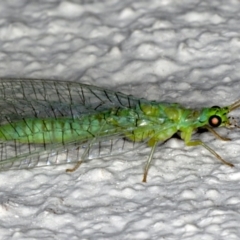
{"points": [[199, 142], [148, 162], [80, 161], [75, 167], [82, 157], [84, 154], [217, 135]]}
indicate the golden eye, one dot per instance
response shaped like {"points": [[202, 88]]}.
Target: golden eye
{"points": [[215, 121]]}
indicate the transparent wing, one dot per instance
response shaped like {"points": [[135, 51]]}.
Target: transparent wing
{"points": [[48, 98], [23, 98], [16, 155]]}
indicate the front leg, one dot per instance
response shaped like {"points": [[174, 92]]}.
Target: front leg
{"points": [[216, 134], [186, 136]]}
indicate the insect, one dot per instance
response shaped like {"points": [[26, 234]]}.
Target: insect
{"points": [[42, 118]]}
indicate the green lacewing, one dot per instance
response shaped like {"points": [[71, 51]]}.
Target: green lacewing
{"points": [[47, 122]]}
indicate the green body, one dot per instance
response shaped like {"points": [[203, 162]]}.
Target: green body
{"points": [[155, 122], [43, 118]]}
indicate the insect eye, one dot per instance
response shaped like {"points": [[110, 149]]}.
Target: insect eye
{"points": [[215, 107], [215, 121]]}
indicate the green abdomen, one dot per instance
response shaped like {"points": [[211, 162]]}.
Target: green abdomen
{"points": [[52, 130], [135, 124]]}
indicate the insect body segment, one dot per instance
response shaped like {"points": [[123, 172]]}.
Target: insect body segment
{"points": [[43, 116], [186, 121]]}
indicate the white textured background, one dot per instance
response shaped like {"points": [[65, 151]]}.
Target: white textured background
{"points": [[179, 51]]}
